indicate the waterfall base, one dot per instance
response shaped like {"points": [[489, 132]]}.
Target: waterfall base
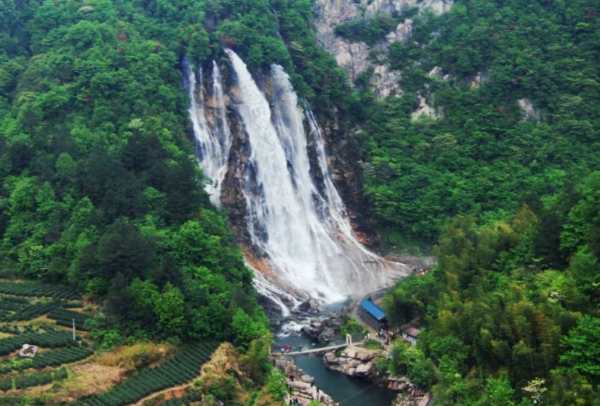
{"points": [[265, 153]]}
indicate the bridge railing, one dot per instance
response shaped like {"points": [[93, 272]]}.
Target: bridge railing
{"points": [[356, 337]]}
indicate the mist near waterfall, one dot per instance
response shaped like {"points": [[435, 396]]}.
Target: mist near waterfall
{"points": [[297, 222]]}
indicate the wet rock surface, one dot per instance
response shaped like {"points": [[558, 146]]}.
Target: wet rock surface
{"points": [[311, 306], [325, 329], [301, 387]]}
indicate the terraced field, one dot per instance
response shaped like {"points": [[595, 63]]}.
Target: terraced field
{"points": [[22, 306], [42, 315], [180, 369]]}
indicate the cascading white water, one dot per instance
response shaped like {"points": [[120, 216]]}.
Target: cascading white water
{"points": [[306, 235], [301, 227], [213, 138]]}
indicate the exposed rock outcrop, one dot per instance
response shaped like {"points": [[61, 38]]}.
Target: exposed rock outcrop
{"points": [[425, 109], [479, 79], [529, 110], [353, 361], [302, 387], [325, 329], [414, 398], [354, 56]]}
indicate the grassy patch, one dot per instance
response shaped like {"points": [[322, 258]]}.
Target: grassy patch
{"points": [[136, 356], [373, 345]]}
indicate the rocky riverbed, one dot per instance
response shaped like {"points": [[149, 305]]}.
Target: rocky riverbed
{"points": [[327, 328], [301, 387], [361, 363], [355, 362], [311, 323]]}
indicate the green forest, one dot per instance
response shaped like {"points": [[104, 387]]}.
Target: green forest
{"points": [[482, 158], [100, 186], [100, 189], [510, 313]]}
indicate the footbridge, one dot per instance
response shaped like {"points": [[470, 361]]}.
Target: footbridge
{"points": [[327, 348]]}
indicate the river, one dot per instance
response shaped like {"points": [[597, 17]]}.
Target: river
{"points": [[343, 389]]}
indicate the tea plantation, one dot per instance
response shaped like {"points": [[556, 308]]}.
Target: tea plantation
{"points": [[21, 306], [180, 369], [42, 315]]}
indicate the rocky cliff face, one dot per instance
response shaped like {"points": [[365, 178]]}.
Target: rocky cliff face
{"points": [[301, 386], [354, 56]]}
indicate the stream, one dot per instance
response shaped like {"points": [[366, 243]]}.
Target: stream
{"points": [[343, 389]]}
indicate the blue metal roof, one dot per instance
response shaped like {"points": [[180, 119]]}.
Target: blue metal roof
{"points": [[373, 309]]}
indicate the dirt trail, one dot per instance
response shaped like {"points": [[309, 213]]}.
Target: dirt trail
{"points": [[178, 388]]}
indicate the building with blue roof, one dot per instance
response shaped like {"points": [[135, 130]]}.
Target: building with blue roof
{"points": [[372, 314]]}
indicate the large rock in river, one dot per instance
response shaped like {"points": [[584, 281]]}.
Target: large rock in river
{"points": [[310, 306]]}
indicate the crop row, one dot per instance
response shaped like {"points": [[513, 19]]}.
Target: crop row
{"points": [[16, 329], [180, 369], [55, 308], [65, 317], [33, 311], [36, 379], [61, 356], [50, 358], [53, 339], [15, 299], [11, 306], [39, 290]]}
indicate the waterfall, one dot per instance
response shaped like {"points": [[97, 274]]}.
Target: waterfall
{"points": [[211, 132], [297, 224], [304, 231]]}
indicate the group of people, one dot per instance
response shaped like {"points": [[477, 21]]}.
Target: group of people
{"points": [[288, 348], [421, 271], [387, 336]]}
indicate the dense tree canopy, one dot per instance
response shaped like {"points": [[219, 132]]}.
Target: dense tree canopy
{"points": [[484, 155], [100, 188], [498, 307]]}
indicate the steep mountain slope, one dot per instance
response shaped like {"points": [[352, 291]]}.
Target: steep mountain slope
{"points": [[100, 187], [513, 91], [368, 55]]}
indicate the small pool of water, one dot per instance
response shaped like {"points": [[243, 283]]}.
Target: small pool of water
{"points": [[343, 389]]}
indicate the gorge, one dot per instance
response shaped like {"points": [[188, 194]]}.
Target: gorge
{"points": [[174, 174]]}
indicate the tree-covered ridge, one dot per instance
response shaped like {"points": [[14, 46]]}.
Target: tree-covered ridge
{"points": [[512, 302], [483, 156], [100, 187]]}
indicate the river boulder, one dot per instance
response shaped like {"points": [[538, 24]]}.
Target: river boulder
{"points": [[307, 379], [310, 306], [353, 361], [330, 358], [364, 370], [328, 335]]}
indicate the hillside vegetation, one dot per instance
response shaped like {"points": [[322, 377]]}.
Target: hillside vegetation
{"points": [[484, 157], [100, 191], [100, 188], [510, 313]]}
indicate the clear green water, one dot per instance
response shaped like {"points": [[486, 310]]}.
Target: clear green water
{"points": [[343, 389]]}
